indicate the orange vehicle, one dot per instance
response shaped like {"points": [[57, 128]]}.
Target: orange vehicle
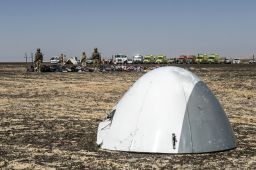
{"points": [[191, 59], [182, 59]]}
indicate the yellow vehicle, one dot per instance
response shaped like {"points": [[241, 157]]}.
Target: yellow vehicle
{"points": [[213, 59], [149, 59], [160, 59], [202, 59]]}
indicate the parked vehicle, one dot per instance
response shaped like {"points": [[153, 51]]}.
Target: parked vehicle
{"points": [[213, 59], [55, 60], [160, 59], [129, 61], [202, 59], [149, 59], [120, 59], [252, 62], [182, 59], [221, 60], [191, 59], [138, 59], [170, 61], [227, 61], [236, 61]]}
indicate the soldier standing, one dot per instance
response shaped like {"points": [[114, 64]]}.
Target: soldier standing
{"points": [[38, 60], [62, 59], [83, 59], [96, 58]]}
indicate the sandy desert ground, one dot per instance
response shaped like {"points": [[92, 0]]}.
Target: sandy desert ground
{"points": [[50, 120]]}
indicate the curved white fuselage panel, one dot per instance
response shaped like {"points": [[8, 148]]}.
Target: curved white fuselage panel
{"points": [[149, 117]]}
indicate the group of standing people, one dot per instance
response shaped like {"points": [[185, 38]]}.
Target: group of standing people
{"points": [[96, 58]]}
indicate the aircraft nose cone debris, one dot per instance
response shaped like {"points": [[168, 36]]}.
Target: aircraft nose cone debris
{"points": [[168, 110]]}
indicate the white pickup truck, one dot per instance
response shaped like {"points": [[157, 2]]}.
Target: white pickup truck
{"points": [[236, 61], [119, 59]]}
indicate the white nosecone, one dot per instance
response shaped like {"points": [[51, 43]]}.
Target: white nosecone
{"points": [[149, 113], [149, 117]]}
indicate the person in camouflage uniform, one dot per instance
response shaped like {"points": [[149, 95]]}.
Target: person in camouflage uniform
{"points": [[38, 60], [61, 58], [96, 57], [83, 59]]}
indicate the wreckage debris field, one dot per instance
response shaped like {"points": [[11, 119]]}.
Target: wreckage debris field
{"points": [[50, 120]]}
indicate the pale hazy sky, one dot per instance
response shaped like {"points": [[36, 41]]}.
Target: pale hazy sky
{"points": [[171, 27]]}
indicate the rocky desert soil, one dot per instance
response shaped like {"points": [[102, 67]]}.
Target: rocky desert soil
{"points": [[49, 120]]}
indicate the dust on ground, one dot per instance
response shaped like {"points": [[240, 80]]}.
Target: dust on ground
{"points": [[49, 120]]}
